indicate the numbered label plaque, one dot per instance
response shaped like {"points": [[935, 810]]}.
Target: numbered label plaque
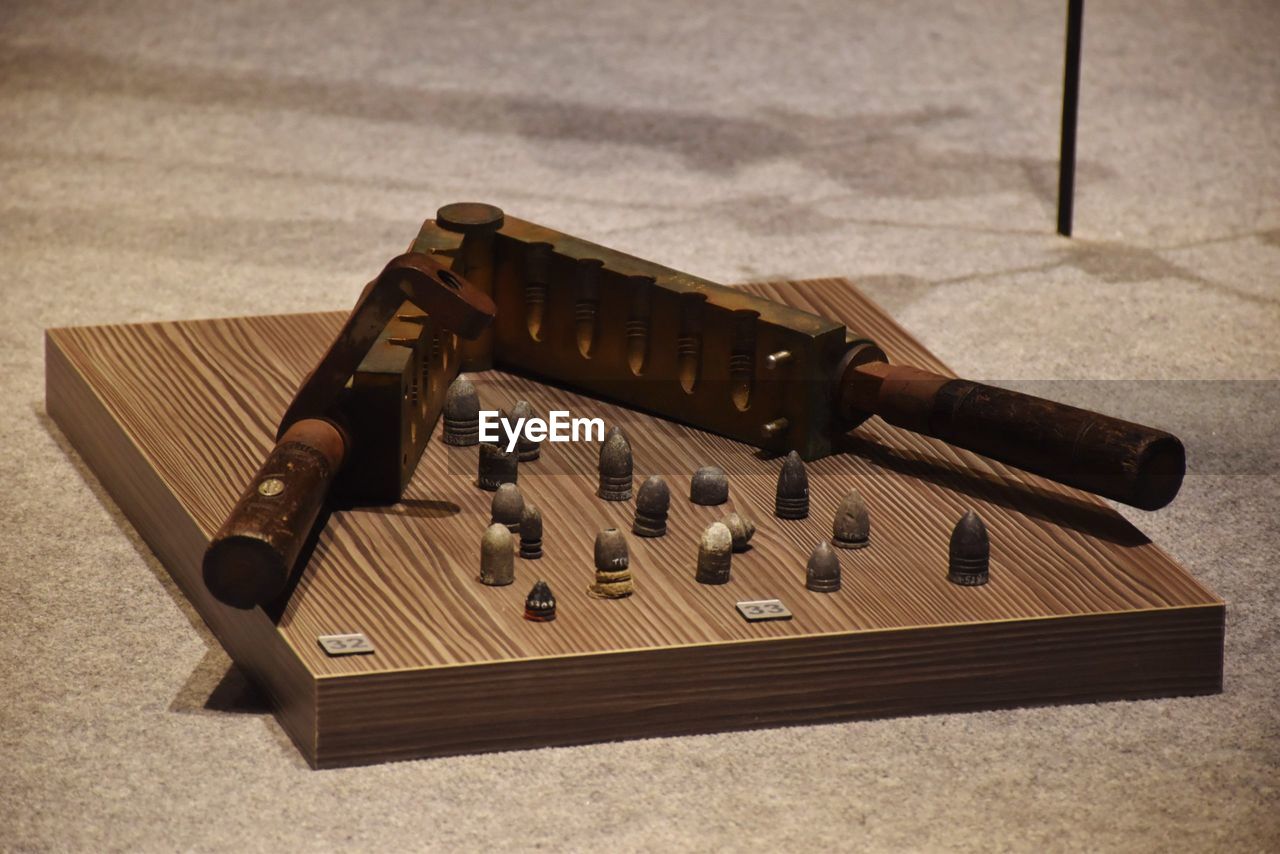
{"points": [[356, 644], [763, 609]]}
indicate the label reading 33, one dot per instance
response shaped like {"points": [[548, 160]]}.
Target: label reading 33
{"points": [[356, 644], [763, 609]]}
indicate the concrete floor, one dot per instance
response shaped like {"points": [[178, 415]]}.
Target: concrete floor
{"points": [[175, 160]]}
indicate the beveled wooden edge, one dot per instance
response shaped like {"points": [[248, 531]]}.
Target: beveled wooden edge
{"points": [[1218, 605], [738, 686]]}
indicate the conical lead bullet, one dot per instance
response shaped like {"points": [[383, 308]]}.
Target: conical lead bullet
{"points": [[531, 533], [461, 413], [822, 575], [613, 562], [970, 552], [709, 487], [792, 501], [540, 604], [851, 528], [507, 507], [653, 502], [497, 560], [615, 467], [741, 529], [715, 555]]}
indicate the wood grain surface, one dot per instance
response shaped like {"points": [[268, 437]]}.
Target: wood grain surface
{"points": [[175, 417]]}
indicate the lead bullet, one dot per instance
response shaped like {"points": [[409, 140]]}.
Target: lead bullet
{"points": [[653, 502], [507, 507], [496, 468], [851, 528], [792, 501], [613, 562], [615, 467], [709, 487], [461, 413], [741, 529], [715, 555], [822, 575], [970, 552], [540, 604], [531, 533], [497, 561]]}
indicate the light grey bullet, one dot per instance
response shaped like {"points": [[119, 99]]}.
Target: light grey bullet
{"points": [[497, 558], [715, 554]]}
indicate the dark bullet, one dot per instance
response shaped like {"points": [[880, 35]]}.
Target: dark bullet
{"points": [[527, 450], [613, 561], [461, 413], [496, 468], [851, 528], [710, 486], [970, 552], [507, 507], [792, 500], [540, 604], [741, 529], [822, 575], [531, 533], [615, 467], [715, 554], [653, 501], [497, 561]]}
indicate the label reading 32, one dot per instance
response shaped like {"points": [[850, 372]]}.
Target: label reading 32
{"points": [[356, 644], [763, 609]]}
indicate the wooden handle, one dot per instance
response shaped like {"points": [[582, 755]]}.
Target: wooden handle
{"points": [[250, 559], [1117, 459]]}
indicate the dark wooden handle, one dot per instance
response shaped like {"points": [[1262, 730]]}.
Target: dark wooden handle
{"points": [[1117, 459], [250, 559]]}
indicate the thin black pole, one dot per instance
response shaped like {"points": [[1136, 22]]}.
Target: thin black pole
{"points": [[1070, 103]]}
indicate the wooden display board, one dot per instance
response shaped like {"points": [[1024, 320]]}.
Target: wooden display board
{"points": [[173, 418]]}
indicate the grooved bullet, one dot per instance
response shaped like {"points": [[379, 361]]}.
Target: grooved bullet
{"points": [[851, 528], [531, 533], [822, 575], [497, 561], [969, 556], [527, 450], [496, 468], [653, 502], [507, 507], [613, 562], [715, 554], [615, 467], [741, 529], [461, 413], [709, 487], [792, 501], [540, 604]]}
